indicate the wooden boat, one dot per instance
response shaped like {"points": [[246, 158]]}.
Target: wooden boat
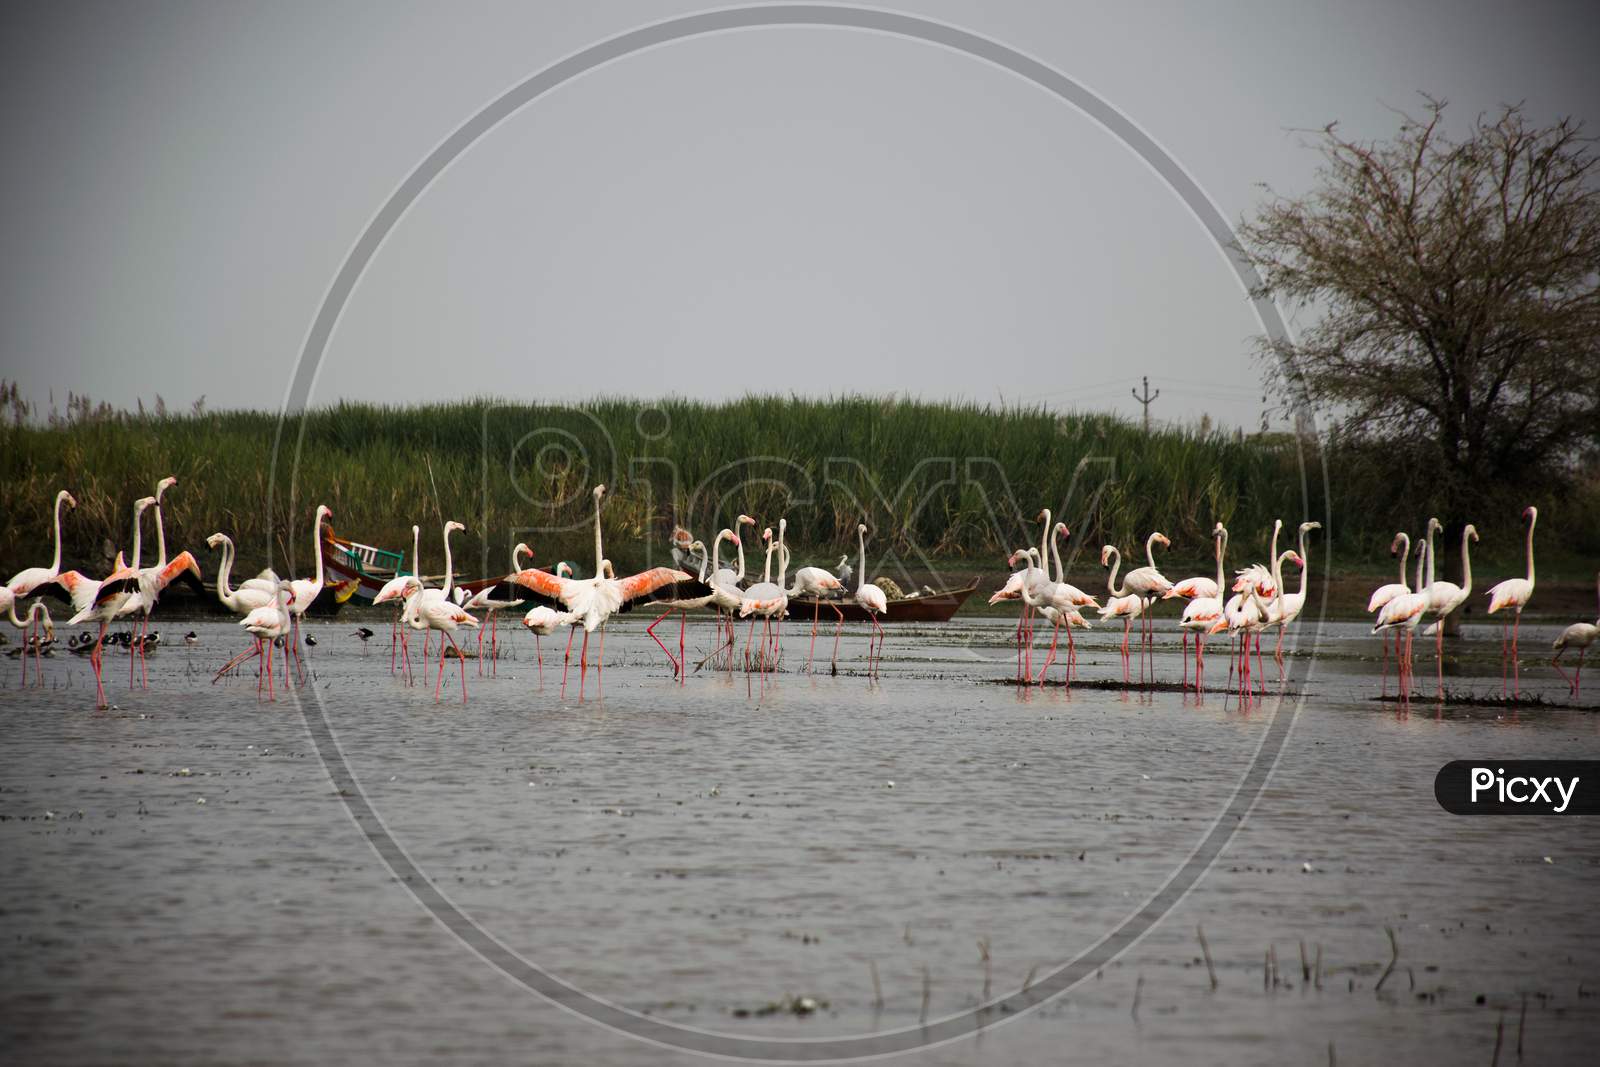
{"points": [[357, 571], [917, 607]]}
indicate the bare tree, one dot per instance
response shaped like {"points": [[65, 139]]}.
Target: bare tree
{"points": [[1456, 286]]}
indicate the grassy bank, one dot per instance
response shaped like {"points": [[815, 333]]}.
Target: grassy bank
{"points": [[934, 481]]}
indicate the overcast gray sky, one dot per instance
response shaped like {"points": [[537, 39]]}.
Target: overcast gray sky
{"points": [[806, 210]]}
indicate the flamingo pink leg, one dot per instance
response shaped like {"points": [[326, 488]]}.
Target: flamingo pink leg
{"points": [[651, 630]]}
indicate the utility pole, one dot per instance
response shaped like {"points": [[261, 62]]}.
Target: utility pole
{"points": [[1145, 400]]}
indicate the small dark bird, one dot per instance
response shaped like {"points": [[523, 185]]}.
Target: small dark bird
{"points": [[191, 639], [365, 635], [311, 642]]}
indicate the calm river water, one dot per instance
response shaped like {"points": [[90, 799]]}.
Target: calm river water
{"points": [[182, 884]]}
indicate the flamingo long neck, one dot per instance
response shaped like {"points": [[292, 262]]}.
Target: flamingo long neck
{"points": [[861, 542], [1277, 574], [1421, 559], [1432, 526], [1044, 538], [138, 535], [1150, 551], [1305, 561], [599, 549], [1277, 528], [316, 543], [1111, 582], [1531, 521], [766, 571], [416, 552], [224, 592], [1222, 550], [716, 553], [740, 578], [1405, 554], [1466, 562], [1055, 551], [516, 558], [449, 564], [55, 562], [783, 550]]}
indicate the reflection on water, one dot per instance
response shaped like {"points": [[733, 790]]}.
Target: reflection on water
{"points": [[182, 886]]}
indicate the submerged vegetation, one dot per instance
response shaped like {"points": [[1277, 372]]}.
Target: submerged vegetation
{"points": [[934, 481]]}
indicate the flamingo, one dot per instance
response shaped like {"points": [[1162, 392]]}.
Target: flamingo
{"points": [[1514, 593], [1290, 605], [1580, 635], [8, 611], [727, 582], [485, 601], [24, 582], [1122, 604], [596, 599], [269, 625], [306, 590], [1445, 597], [765, 600], [1149, 583], [684, 597], [544, 621], [1204, 607], [820, 585], [394, 589], [151, 586], [250, 594], [438, 613], [870, 598], [1385, 593], [107, 598], [1402, 614], [1064, 601]]}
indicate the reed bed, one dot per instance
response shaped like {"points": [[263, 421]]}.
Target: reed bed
{"points": [[934, 481]]}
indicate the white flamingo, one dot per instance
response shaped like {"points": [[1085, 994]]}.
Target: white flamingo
{"points": [[1514, 593], [820, 584], [441, 614], [109, 597], [1385, 593], [1402, 614], [1204, 607], [595, 599], [1580, 635], [1121, 604], [25, 582], [871, 599], [1444, 598]]}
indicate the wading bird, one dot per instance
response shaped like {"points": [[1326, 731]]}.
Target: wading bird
{"points": [[1514, 593], [871, 599], [25, 582], [596, 599], [1445, 597], [1203, 609], [1385, 593], [1580, 635]]}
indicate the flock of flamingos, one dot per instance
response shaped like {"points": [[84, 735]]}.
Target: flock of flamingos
{"points": [[1258, 601]]}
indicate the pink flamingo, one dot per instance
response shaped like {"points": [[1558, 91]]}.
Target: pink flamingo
{"points": [[439, 613], [765, 600], [1402, 614], [1514, 593], [819, 584], [1580, 635], [153, 581], [1122, 604], [104, 600], [871, 599], [394, 589], [269, 625], [1444, 598], [1061, 609], [1385, 593], [306, 590], [544, 621], [595, 600], [683, 597], [47, 628], [1203, 609], [1148, 583], [25, 582]]}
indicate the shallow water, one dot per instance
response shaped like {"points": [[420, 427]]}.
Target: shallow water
{"points": [[695, 852]]}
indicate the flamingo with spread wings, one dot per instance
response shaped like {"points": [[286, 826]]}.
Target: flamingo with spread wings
{"points": [[594, 600]]}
